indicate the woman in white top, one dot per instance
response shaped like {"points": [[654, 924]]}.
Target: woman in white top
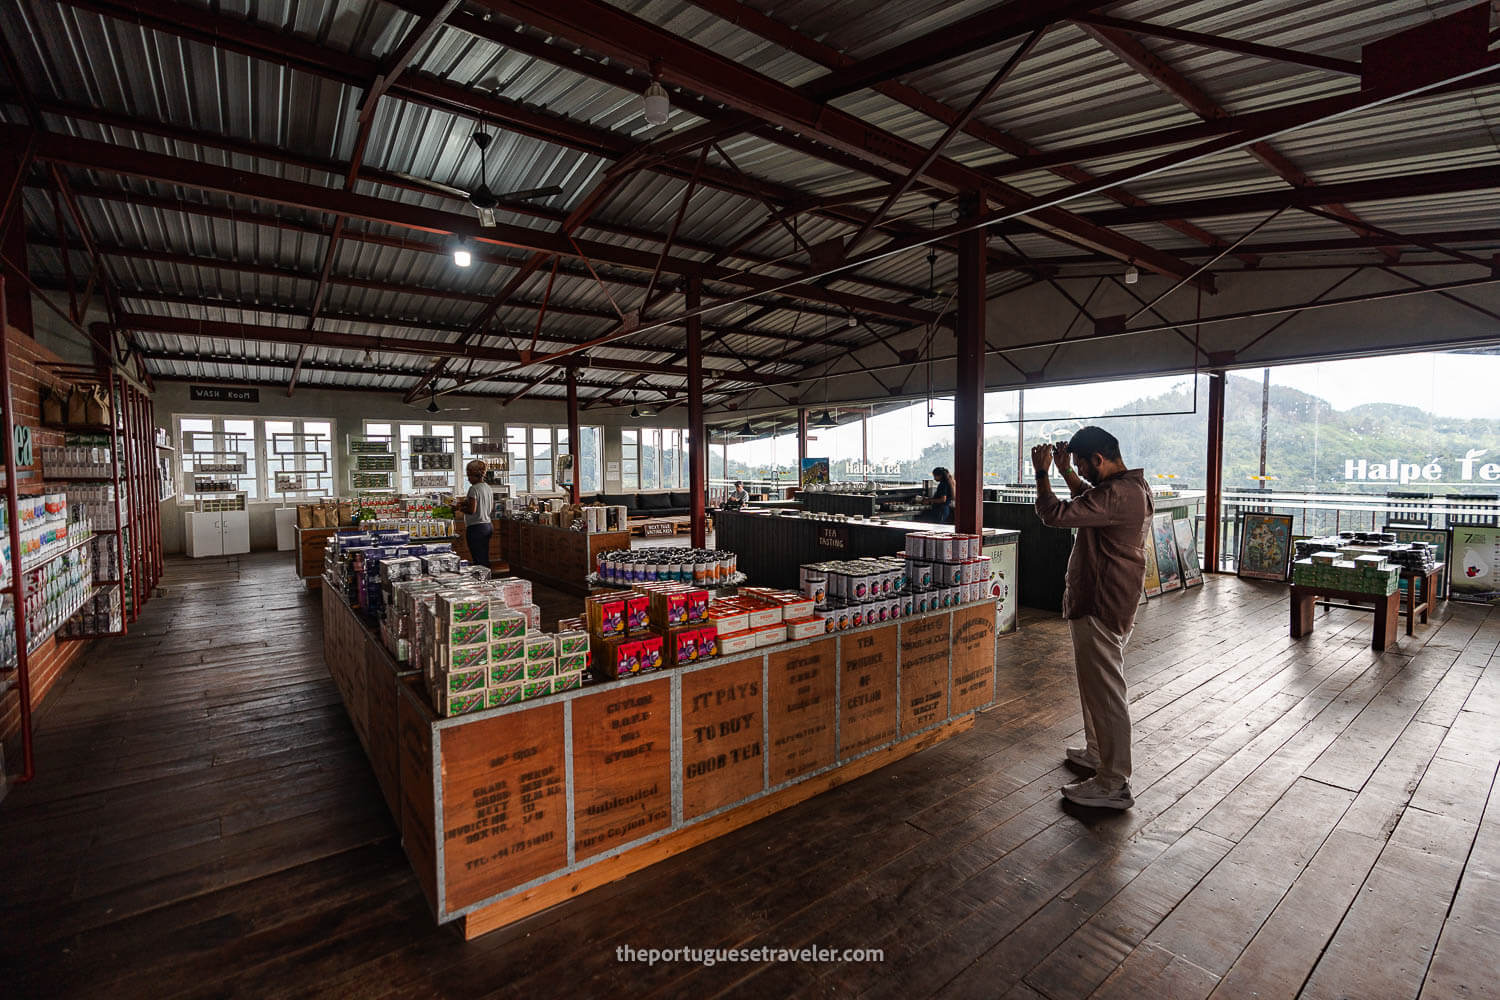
{"points": [[476, 509]]}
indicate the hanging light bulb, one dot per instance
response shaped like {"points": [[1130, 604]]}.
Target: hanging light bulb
{"points": [[657, 105], [852, 321], [461, 255], [1132, 273]]}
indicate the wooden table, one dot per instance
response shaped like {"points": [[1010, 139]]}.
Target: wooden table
{"points": [[1387, 611], [1427, 583]]}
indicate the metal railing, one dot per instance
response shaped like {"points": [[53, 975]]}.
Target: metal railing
{"points": [[1318, 514]]}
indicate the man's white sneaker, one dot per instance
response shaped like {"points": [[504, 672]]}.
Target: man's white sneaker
{"points": [[1082, 757], [1093, 792]]}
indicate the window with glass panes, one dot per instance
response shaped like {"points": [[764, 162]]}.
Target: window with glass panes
{"points": [[630, 459], [271, 445], [533, 457], [403, 432]]}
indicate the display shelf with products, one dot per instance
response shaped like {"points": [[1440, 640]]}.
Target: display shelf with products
{"points": [[616, 773]]}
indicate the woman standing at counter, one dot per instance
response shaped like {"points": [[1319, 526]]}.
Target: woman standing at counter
{"points": [[941, 500], [476, 508]]}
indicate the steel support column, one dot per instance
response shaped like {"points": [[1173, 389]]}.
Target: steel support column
{"points": [[968, 401], [1215, 502], [697, 429], [801, 442], [575, 438], [17, 294]]}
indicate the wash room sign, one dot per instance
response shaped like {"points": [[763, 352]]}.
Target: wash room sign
{"points": [[1472, 468], [222, 394]]}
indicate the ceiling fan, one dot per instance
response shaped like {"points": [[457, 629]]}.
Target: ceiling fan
{"points": [[433, 407], [481, 197]]}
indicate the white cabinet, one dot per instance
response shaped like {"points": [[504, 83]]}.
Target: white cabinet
{"points": [[286, 523], [217, 533]]}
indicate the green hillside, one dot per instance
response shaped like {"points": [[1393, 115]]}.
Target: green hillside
{"points": [[1308, 441]]}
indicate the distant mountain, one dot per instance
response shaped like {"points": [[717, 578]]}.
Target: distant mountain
{"points": [[1308, 442]]}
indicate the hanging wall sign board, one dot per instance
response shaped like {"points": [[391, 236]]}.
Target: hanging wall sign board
{"points": [[222, 394]]}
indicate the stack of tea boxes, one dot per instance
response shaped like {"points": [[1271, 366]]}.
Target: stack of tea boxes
{"points": [[1361, 566], [480, 646]]}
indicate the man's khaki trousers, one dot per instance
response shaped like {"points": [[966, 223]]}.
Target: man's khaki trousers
{"points": [[1100, 658]]}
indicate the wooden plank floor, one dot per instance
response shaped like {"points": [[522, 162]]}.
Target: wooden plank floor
{"points": [[1313, 819]]}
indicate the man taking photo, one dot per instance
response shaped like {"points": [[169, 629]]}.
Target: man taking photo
{"points": [[1111, 508]]}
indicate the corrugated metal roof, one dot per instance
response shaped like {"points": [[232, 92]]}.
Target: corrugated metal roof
{"points": [[386, 281]]}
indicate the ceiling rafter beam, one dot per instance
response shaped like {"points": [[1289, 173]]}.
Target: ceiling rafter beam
{"points": [[1177, 86], [1275, 53], [87, 154], [619, 35]]}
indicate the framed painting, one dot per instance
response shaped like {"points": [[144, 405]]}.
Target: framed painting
{"points": [[1265, 546], [1152, 584], [1165, 543], [1187, 551]]}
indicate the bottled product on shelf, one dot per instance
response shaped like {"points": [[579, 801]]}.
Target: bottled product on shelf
{"points": [[100, 614], [622, 567], [54, 593]]}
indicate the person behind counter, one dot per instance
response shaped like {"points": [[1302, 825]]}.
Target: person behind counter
{"points": [[941, 501], [1112, 512], [476, 508], [737, 497]]}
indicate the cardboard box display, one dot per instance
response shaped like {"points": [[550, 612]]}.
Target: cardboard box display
{"points": [[616, 657], [572, 662]]}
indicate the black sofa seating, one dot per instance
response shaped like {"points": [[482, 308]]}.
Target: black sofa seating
{"points": [[647, 505]]}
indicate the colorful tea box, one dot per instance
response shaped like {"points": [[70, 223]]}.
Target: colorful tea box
{"points": [[456, 608], [507, 649], [572, 643], [540, 647], [507, 672], [459, 681], [462, 703], [465, 657], [770, 635], [669, 608], [573, 662], [537, 669], [567, 681], [507, 624], [536, 689], [651, 650], [728, 617], [507, 694], [616, 657], [467, 634], [607, 617], [637, 613]]}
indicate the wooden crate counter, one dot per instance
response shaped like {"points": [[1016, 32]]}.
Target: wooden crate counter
{"points": [[558, 557], [507, 812], [311, 544]]}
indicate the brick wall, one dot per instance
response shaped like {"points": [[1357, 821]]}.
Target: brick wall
{"points": [[53, 657]]}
